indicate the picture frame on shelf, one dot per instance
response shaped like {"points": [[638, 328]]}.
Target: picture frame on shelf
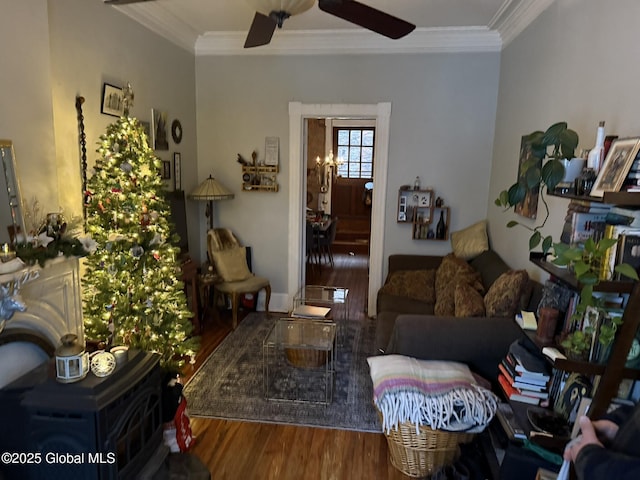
{"points": [[177, 171], [112, 100], [616, 166], [424, 199], [159, 123]]}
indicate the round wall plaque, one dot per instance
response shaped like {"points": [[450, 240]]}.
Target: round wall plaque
{"points": [[176, 131]]}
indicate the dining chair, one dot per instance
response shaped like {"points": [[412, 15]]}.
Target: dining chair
{"points": [[326, 240]]}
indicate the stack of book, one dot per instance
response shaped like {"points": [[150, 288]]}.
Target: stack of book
{"points": [[584, 220], [522, 385]]}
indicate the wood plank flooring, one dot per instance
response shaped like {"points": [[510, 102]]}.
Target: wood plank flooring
{"points": [[246, 451]]}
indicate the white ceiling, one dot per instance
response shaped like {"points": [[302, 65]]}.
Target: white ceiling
{"points": [[219, 27]]}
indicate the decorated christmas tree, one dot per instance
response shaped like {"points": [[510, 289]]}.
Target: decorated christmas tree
{"points": [[133, 294]]}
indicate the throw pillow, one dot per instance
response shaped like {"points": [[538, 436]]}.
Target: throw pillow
{"points": [[414, 284], [451, 271], [471, 241], [468, 301], [503, 297], [231, 264]]}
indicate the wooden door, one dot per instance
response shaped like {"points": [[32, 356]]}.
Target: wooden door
{"points": [[348, 203]]}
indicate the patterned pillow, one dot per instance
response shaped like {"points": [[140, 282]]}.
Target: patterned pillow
{"points": [[451, 271], [414, 284], [468, 301], [503, 297]]}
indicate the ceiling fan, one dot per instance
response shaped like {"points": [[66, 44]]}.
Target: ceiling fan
{"points": [[272, 13]]}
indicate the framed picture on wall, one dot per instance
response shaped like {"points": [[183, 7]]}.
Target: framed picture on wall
{"points": [[166, 169], [112, 100], [177, 171], [528, 207], [159, 122], [616, 166]]}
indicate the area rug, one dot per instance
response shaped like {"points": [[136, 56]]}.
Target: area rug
{"points": [[229, 384]]}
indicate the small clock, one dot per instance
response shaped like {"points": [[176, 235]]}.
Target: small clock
{"points": [[176, 131]]}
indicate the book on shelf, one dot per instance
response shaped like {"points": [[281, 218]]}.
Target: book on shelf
{"points": [[514, 376], [587, 206], [610, 257], [552, 353], [624, 216], [532, 389], [628, 251], [527, 362], [514, 394], [580, 226], [310, 311], [507, 419]]}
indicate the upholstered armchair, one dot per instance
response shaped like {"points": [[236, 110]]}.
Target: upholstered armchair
{"points": [[234, 278]]}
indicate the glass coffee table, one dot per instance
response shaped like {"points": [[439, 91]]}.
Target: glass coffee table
{"points": [[336, 298], [298, 361]]}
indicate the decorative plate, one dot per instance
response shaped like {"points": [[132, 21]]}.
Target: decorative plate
{"points": [[103, 364]]}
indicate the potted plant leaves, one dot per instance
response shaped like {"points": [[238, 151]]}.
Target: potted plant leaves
{"points": [[542, 172]]}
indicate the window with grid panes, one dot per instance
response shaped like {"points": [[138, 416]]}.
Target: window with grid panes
{"points": [[354, 147]]}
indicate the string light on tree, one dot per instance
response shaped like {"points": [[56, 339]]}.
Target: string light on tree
{"points": [[133, 289]]}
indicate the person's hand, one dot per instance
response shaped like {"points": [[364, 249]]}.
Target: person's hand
{"points": [[587, 437], [606, 430]]}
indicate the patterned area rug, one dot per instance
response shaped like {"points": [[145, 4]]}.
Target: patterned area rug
{"points": [[229, 384]]}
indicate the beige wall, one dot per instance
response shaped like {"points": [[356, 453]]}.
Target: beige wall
{"points": [[58, 49], [577, 63], [442, 128]]}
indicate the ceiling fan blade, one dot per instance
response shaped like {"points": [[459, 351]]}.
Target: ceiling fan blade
{"points": [[123, 2], [367, 17], [261, 31]]}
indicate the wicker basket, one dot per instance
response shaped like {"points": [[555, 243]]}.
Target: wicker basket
{"points": [[305, 358], [419, 455]]}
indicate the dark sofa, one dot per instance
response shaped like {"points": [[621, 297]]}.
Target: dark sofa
{"points": [[409, 327]]}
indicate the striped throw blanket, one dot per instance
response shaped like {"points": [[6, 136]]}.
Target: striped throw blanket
{"points": [[441, 395]]}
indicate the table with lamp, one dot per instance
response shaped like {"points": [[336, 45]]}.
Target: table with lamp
{"points": [[208, 191]]}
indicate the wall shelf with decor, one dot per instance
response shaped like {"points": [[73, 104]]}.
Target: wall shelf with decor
{"points": [[418, 207], [260, 178]]}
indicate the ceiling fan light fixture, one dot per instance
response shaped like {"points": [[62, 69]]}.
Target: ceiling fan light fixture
{"points": [[292, 7]]}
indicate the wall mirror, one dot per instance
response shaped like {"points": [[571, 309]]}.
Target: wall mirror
{"points": [[11, 210]]}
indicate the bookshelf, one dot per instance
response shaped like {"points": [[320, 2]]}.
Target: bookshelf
{"points": [[623, 199], [614, 370]]}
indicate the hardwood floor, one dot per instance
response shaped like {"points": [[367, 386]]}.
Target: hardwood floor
{"points": [[244, 450]]}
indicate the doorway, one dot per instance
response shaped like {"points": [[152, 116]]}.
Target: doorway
{"points": [[381, 112]]}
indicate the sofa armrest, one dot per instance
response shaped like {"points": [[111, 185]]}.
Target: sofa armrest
{"points": [[479, 342]]}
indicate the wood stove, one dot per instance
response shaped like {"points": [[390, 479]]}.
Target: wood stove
{"points": [[98, 428]]}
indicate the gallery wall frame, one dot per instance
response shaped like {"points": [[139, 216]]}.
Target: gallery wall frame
{"points": [[159, 129], [177, 171], [112, 100]]}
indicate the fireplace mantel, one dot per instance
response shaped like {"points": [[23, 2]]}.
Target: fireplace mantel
{"points": [[53, 301]]}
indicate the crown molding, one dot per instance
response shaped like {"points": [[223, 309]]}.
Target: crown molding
{"points": [[512, 18], [516, 15], [163, 22], [353, 41]]}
